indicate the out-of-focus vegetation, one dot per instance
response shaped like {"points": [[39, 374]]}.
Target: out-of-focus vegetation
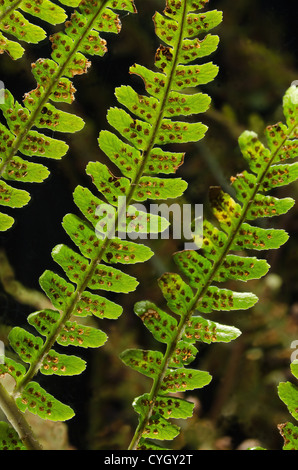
{"points": [[240, 408]]}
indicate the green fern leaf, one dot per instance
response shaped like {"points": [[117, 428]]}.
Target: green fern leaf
{"points": [[13, 197], [216, 263], [152, 317], [182, 379], [62, 364], [146, 362], [168, 407], [39, 402], [207, 331], [6, 221], [183, 355], [25, 344], [288, 393], [54, 85], [159, 428]]}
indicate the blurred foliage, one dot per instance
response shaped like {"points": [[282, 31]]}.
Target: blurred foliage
{"points": [[240, 408]]}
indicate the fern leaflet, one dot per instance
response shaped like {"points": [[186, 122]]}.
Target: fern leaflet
{"points": [[53, 77], [139, 158], [223, 248]]}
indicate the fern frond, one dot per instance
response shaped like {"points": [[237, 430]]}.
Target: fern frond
{"points": [[138, 155], [14, 23], [222, 258], [54, 85]]}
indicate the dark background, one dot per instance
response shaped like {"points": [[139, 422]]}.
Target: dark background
{"points": [[258, 61]]}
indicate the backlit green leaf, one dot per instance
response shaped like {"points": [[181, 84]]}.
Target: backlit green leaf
{"points": [[62, 364], [168, 407], [39, 402], [180, 380], [288, 393]]}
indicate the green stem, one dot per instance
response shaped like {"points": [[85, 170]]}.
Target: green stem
{"points": [[17, 420], [196, 300]]}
